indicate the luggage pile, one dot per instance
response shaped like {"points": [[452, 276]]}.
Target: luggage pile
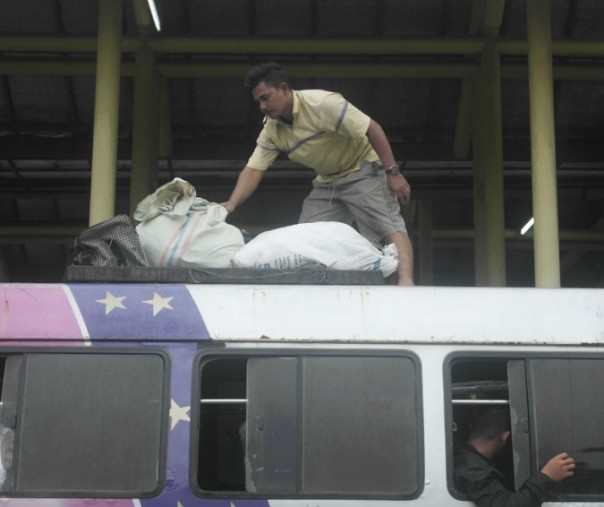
{"points": [[177, 229]]}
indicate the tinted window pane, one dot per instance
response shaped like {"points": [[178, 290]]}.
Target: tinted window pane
{"points": [[90, 423], [359, 425], [567, 401]]}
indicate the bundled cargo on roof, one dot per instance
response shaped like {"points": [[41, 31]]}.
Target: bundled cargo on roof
{"points": [[330, 245], [179, 229]]}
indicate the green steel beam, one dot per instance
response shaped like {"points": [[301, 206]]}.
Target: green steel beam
{"points": [[66, 67], [561, 72], [560, 48], [317, 46], [326, 70], [58, 67], [60, 44], [281, 46]]}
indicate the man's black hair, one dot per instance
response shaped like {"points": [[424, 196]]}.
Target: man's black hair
{"points": [[270, 73], [488, 422]]}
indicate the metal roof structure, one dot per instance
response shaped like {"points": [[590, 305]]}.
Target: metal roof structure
{"points": [[449, 81]]}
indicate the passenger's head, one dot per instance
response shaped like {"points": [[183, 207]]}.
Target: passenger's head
{"points": [[490, 422], [269, 73]]}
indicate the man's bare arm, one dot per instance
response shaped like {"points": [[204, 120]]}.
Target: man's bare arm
{"points": [[398, 185], [247, 183]]}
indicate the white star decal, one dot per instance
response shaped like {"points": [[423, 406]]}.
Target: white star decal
{"points": [[111, 302], [178, 413], [159, 303]]}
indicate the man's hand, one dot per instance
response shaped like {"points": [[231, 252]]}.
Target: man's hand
{"points": [[399, 187], [559, 467], [228, 206]]}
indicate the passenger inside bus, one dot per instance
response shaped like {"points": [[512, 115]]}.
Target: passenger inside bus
{"points": [[477, 476]]}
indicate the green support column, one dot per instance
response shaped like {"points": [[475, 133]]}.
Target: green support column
{"points": [[165, 119], [426, 264], [543, 145], [493, 177], [479, 169], [143, 173], [486, 17], [106, 112], [487, 149]]}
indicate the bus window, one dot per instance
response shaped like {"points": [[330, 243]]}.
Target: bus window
{"points": [[556, 405], [222, 414], [476, 383], [76, 415], [310, 425]]}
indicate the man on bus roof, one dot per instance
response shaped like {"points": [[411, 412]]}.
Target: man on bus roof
{"points": [[357, 176]]}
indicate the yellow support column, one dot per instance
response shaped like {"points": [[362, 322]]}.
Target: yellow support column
{"points": [[106, 111], [543, 145], [143, 173]]}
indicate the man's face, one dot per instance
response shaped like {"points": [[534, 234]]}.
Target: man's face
{"points": [[273, 102]]}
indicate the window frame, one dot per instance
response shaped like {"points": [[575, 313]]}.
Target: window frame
{"points": [[162, 425], [246, 353], [508, 356]]}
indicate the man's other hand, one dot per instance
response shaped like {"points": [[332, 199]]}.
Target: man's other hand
{"points": [[560, 467]]}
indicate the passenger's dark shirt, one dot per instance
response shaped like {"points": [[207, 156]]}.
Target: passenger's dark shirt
{"points": [[486, 486]]}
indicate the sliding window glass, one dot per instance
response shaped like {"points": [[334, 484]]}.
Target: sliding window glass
{"points": [[83, 424], [564, 409], [310, 425]]}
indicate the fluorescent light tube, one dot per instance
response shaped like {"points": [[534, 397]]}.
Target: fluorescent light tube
{"points": [[154, 14], [527, 226]]}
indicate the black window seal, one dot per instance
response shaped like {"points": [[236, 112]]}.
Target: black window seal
{"points": [[244, 352]]}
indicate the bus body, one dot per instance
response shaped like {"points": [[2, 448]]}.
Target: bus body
{"points": [[291, 396]]}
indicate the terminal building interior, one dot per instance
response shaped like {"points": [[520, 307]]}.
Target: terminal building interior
{"points": [[455, 84]]}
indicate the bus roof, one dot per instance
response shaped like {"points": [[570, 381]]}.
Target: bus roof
{"points": [[83, 312]]}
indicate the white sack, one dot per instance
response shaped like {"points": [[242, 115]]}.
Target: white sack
{"points": [[178, 229], [331, 245]]}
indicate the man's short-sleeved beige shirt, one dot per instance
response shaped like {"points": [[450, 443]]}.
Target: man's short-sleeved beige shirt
{"points": [[328, 134]]}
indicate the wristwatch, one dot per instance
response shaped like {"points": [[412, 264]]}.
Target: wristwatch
{"points": [[393, 169]]}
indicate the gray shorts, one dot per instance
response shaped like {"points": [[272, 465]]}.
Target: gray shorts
{"points": [[361, 196]]}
